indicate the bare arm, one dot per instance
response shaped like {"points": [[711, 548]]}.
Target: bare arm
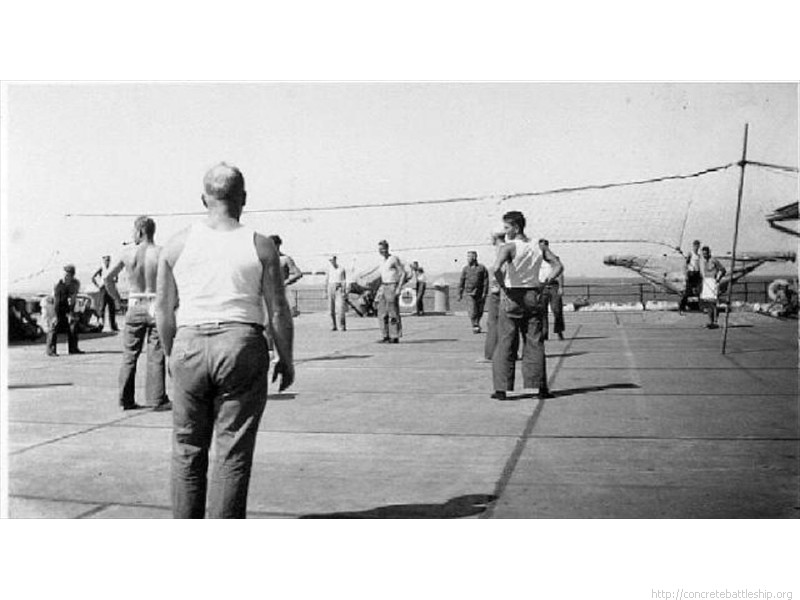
{"points": [[94, 278], [294, 273], [167, 291], [280, 314], [555, 263], [112, 274], [504, 255]]}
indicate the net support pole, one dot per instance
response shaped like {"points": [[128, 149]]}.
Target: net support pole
{"points": [[742, 165]]}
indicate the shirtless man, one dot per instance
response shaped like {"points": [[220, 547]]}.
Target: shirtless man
{"points": [[141, 263], [393, 276], [291, 273]]}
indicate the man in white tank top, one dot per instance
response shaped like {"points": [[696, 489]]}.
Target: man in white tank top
{"points": [[215, 280], [522, 306], [140, 262]]}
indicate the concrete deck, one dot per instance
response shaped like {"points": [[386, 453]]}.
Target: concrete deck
{"points": [[649, 421]]}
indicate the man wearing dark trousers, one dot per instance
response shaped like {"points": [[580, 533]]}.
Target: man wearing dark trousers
{"points": [[522, 305], [65, 295], [229, 282], [475, 282], [694, 279], [140, 262]]}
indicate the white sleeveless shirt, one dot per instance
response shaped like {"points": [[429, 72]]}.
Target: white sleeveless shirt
{"points": [[218, 275], [523, 271]]}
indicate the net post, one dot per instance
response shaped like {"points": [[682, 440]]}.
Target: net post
{"points": [[742, 165]]}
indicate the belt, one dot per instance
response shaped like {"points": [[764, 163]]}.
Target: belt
{"points": [[220, 325]]}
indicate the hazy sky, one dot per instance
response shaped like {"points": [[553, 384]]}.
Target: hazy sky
{"points": [[143, 148]]}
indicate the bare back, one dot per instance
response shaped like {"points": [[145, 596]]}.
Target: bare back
{"points": [[141, 266]]}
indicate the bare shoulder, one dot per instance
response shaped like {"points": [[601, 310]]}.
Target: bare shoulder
{"points": [[174, 246]]}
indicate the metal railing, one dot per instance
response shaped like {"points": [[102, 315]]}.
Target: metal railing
{"points": [[312, 299]]}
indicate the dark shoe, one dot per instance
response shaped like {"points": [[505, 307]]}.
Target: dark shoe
{"points": [[394, 341], [77, 352], [163, 407], [713, 326], [499, 395], [476, 330], [334, 329], [545, 394], [133, 406], [385, 340], [52, 353]]}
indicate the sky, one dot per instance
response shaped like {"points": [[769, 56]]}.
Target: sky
{"points": [[129, 149]]}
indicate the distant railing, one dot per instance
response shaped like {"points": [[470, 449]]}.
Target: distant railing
{"points": [[312, 299]]}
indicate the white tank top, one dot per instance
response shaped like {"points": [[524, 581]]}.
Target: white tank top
{"points": [[523, 271], [218, 275]]}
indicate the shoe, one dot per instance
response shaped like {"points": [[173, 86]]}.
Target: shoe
{"points": [[133, 406], [334, 329], [544, 394], [52, 353], [344, 328], [561, 336], [712, 326], [499, 395], [163, 407], [394, 341], [77, 352], [476, 330], [385, 340]]}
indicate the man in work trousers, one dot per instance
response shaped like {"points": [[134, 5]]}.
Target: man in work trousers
{"points": [[393, 276], [335, 287], [522, 306], [108, 293], [711, 272], [140, 263], [475, 282], [554, 291], [493, 301], [225, 275], [65, 296], [694, 280]]}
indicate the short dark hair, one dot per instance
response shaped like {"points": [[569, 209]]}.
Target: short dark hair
{"points": [[224, 182], [544, 241], [145, 225], [276, 239], [705, 248], [383, 243], [696, 242], [516, 218]]}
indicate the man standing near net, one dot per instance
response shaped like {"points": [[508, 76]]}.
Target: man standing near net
{"points": [[224, 274], [693, 277], [522, 307], [475, 282], [393, 277], [712, 272]]}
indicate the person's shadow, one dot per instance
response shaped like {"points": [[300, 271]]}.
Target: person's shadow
{"points": [[455, 508], [581, 390]]}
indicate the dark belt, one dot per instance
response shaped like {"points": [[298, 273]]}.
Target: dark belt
{"points": [[221, 324]]}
